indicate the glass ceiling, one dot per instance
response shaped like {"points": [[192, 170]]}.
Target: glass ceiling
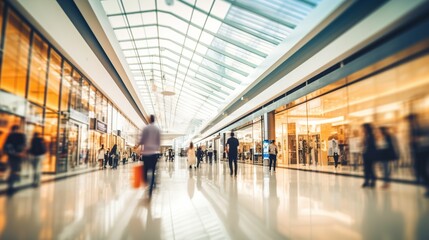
{"points": [[203, 51]]}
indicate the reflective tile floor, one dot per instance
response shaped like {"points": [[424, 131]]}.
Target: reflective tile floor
{"points": [[208, 203]]}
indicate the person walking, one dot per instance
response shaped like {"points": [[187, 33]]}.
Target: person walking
{"points": [[200, 154], [114, 154], [14, 148], [100, 156], [106, 157], [272, 149], [232, 151], [37, 151], [387, 154], [191, 155], [150, 141], [369, 155], [210, 154]]}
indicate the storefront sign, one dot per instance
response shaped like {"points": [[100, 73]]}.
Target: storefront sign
{"points": [[97, 125], [73, 114], [12, 104], [101, 126]]}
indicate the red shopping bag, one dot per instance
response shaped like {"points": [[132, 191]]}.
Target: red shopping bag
{"points": [[137, 176]]}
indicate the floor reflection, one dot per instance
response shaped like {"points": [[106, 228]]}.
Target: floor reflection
{"points": [[206, 203]]}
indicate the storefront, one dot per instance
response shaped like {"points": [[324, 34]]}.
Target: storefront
{"points": [[43, 92], [310, 130]]}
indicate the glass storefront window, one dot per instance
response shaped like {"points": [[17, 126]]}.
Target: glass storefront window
{"points": [[66, 86], [54, 80], [92, 104], [51, 136], [246, 148], [15, 56], [39, 58], [76, 90], [83, 107], [98, 106]]}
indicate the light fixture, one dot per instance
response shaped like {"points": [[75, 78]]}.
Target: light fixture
{"points": [[168, 90]]}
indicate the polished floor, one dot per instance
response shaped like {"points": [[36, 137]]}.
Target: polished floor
{"points": [[208, 203]]}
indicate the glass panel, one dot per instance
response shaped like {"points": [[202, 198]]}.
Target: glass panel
{"points": [[15, 56], [92, 107], [85, 96], [51, 137], [66, 86], [37, 84], [54, 81], [76, 95]]}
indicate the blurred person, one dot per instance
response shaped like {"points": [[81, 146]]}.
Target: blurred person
{"points": [[14, 148], [419, 145], [101, 154], [114, 153], [106, 157], [191, 155], [369, 155], [150, 141], [355, 148], [272, 150], [232, 151], [210, 153], [124, 157], [37, 151], [200, 154], [387, 154]]}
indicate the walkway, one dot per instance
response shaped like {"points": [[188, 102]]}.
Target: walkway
{"points": [[208, 204]]}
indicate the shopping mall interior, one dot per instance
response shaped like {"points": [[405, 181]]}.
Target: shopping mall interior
{"points": [[336, 91]]}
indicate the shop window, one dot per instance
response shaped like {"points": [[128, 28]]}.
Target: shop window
{"points": [[15, 55], [281, 137], [297, 134], [92, 105], [66, 86], [83, 104], [54, 80], [51, 137], [37, 84], [76, 90]]}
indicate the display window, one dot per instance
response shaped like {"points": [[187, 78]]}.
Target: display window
{"points": [[66, 86], [38, 67], [15, 55], [53, 89], [51, 138]]}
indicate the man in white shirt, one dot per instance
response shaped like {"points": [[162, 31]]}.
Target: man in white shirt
{"points": [[150, 141]]}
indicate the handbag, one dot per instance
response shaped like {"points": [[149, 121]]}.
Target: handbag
{"points": [[137, 176]]}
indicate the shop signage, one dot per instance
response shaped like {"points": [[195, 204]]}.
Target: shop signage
{"points": [[117, 133], [97, 125], [101, 126], [73, 114], [12, 104]]}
